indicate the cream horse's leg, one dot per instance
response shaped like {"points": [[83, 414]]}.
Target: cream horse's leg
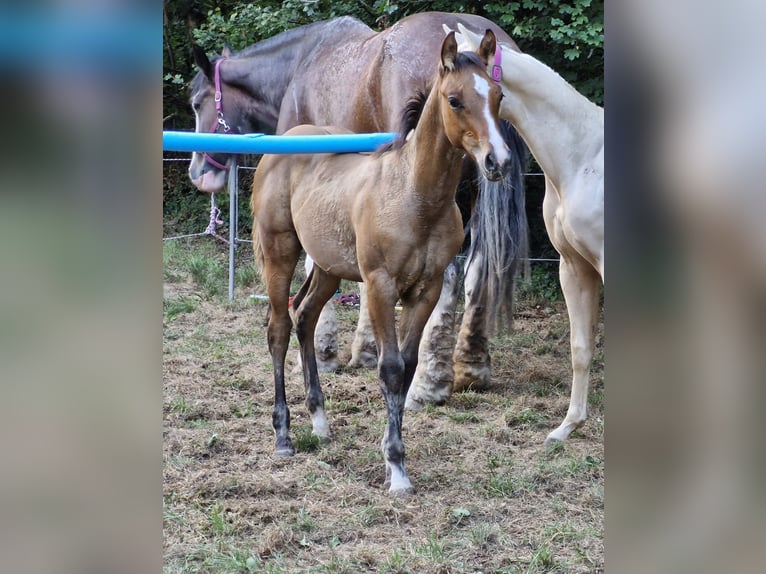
{"points": [[580, 283]]}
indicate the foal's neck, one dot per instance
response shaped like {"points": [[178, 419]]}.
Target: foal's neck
{"points": [[436, 163], [560, 125]]}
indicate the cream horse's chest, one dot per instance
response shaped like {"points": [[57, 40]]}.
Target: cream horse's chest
{"points": [[574, 219]]}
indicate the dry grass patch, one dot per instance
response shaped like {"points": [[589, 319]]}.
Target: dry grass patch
{"points": [[490, 496]]}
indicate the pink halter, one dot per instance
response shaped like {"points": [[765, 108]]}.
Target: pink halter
{"points": [[497, 71], [219, 115]]}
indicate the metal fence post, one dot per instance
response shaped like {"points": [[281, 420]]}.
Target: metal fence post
{"points": [[233, 202]]}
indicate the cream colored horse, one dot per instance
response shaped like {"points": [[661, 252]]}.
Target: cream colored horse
{"points": [[565, 133]]}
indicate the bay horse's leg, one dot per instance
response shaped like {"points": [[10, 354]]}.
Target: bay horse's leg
{"points": [[432, 383], [580, 284], [281, 253], [317, 290], [326, 335], [471, 358], [364, 353]]}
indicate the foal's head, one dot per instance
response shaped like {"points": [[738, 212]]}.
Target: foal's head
{"points": [[470, 105]]}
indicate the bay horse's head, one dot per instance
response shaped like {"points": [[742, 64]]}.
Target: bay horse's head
{"points": [[470, 105], [218, 108]]}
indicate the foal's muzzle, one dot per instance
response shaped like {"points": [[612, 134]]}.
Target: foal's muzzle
{"points": [[494, 170]]}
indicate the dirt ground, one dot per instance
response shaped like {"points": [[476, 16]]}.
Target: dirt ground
{"points": [[490, 497]]}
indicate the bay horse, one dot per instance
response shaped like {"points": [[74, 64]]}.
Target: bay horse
{"points": [[389, 219], [565, 133], [341, 72]]}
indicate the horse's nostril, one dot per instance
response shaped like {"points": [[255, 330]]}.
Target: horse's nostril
{"points": [[490, 162]]}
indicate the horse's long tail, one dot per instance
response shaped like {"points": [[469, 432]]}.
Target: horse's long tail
{"points": [[500, 235]]}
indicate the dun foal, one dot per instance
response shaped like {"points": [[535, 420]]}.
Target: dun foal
{"points": [[388, 219]]}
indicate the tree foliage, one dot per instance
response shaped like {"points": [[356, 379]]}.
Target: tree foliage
{"points": [[568, 35]]}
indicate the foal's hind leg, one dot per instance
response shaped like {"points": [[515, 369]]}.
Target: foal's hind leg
{"points": [[580, 284], [308, 303], [325, 336]]}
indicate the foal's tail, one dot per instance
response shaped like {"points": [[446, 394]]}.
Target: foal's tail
{"points": [[257, 247], [500, 235]]}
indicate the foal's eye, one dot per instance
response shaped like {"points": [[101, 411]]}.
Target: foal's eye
{"points": [[454, 103], [196, 106]]}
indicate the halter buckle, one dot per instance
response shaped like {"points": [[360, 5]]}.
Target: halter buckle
{"points": [[497, 73], [222, 122]]}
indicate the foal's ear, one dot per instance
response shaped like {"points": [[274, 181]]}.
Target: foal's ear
{"points": [[487, 47], [449, 52], [226, 51], [201, 59]]}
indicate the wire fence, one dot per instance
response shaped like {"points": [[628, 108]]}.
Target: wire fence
{"points": [[215, 220]]}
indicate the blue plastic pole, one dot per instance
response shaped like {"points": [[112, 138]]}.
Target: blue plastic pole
{"points": [[261, 143]]}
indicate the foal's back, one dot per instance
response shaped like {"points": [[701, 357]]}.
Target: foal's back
{"points": [[321, 198]]}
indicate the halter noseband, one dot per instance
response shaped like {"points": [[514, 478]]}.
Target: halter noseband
{"points": [[220, 121], [497, 71]]}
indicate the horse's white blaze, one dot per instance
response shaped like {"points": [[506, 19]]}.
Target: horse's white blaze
{"points": [[495, 137]]}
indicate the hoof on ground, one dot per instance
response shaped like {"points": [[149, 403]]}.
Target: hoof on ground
{"points": [[364, 361], [413, 405], [402, 492], [470, 384], [417, 404], [549, 440], [327, 366], [284, 451], [323, 439]]}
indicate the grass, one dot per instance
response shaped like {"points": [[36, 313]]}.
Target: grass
{"points": [[304, 440], [489, 496], [527, 417], [174, 307]]}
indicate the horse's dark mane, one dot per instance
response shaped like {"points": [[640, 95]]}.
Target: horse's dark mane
{"points": [[414, 107], [293, 35], [288, 37]]}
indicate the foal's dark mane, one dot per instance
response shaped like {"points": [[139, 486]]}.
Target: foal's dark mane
{"points": [[410, 117], [414, 107]]}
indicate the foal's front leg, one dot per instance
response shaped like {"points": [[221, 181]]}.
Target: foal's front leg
{"points": [[397, 368], [381, 297]]}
